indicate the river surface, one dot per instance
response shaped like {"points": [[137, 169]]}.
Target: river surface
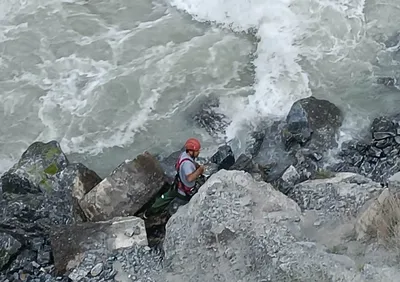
{"points": [[110, 79]]}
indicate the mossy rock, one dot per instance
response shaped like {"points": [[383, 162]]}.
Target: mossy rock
{"points": [[35, 169], [323, 174]]}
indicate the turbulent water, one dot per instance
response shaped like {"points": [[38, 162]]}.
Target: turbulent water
{"points": [[110, 79]]}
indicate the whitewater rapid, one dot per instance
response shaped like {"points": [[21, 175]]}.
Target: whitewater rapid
{"points": [[110, 79]]}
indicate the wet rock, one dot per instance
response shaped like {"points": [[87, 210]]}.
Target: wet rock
{"points": [[387, 81], [9, 246], [129, 187], [33, 172], [273, 159], [224, 157], [70, 243], [253, 145], [313, 122]]}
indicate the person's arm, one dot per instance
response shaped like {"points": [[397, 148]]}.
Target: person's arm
{"points": [[193, 176]]}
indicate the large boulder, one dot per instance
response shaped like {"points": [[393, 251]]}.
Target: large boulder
{"points": [[237, 229], [70, 243], [377, 156], [314, 122], [126, 191]]}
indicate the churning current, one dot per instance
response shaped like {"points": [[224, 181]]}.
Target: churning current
{"points": [[110, 79]]}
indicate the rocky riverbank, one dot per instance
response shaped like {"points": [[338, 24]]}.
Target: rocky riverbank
{"points": [[279, 212]]}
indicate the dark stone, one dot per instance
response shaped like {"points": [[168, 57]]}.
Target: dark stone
{"points": [[387, 81], [377, 159], [22, 261], [224, 157], [273, 159], [375, 152], [208, 117], [9, 247]]}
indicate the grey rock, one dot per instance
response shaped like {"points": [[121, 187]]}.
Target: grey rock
{"points": [[343, 194], [242, 230], [129, 187], [290, 177], [70, 243]]}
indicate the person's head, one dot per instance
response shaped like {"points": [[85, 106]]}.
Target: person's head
{"points": [[193, 147]]}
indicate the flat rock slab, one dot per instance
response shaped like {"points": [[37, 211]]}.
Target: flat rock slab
{"points": [[69, 243], [130, 186]]}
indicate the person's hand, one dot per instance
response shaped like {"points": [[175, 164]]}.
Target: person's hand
{"points": [[201, 169]]}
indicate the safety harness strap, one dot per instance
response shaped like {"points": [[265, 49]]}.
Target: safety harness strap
{"points": [[181, 186]]}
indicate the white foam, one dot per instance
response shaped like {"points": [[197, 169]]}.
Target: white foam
{"points": [[303, 45], [279, 78]]}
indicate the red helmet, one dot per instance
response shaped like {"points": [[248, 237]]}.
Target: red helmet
{"points": [[192, 144]]}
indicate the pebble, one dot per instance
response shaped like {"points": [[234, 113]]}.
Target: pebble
{"points": [[97, 269]]}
